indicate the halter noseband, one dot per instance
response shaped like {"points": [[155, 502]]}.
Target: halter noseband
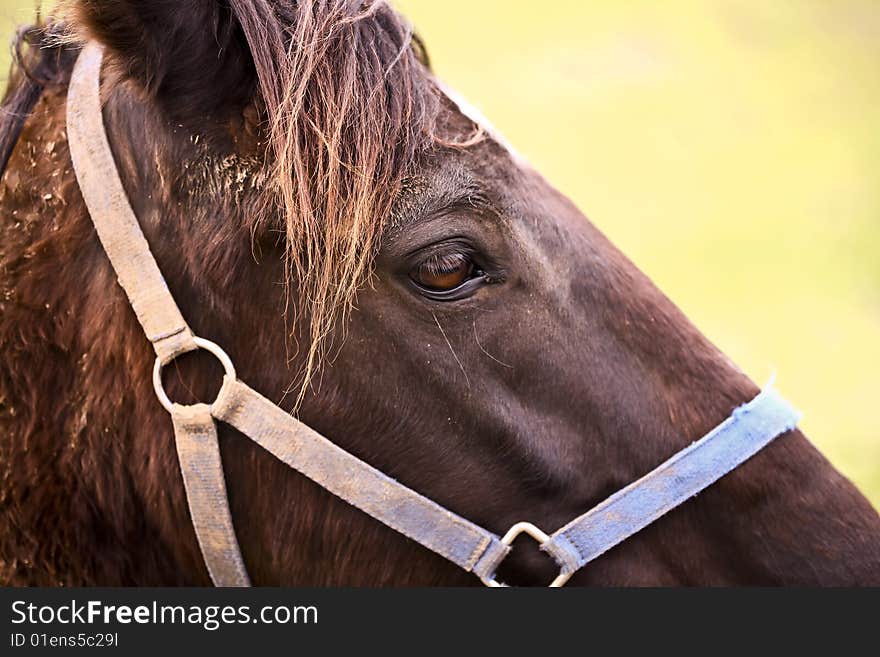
{"points": [[475, 549]]}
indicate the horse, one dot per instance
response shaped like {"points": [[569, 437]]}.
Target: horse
{"points": [[377, 260]]}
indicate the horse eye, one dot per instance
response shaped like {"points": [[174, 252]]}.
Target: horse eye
{"points": [[444, 272]]}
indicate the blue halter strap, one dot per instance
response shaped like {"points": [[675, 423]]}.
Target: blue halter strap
{"points": [[751, 427]]}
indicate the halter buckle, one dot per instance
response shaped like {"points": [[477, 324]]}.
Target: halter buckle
{"points": [[541, 538]]}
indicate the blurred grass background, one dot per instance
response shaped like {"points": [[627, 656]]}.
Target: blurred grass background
{"points": [[730, 147]]}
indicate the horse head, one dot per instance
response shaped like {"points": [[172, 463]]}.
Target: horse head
{"points": [[374, 257]]}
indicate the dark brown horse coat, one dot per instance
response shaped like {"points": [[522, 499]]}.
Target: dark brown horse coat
{"points": [[364, 253]]}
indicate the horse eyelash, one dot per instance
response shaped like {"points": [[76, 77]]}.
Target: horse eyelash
{"points": [[444, 263]]}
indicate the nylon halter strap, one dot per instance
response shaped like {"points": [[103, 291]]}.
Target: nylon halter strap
{"points": [[473, 548]]}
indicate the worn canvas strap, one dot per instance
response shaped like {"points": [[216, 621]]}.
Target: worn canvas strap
{"points": [[750, 427], [424, 521], [115, 222], [473, 548], [198, 452]]}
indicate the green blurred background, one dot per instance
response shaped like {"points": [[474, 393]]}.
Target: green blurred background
{"points": [[729, 147]]}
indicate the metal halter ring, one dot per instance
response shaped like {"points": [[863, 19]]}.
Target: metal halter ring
{"points": [[540, 537], [207, 345]]}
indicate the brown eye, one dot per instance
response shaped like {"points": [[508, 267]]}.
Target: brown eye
{"points": [[444, 272]]}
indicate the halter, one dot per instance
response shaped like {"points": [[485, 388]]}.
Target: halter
{"points": [[475, 549]]}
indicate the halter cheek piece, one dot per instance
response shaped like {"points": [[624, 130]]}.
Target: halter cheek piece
{"points": [[477, 550]]}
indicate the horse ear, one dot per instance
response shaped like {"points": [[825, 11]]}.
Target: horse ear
{"points": [[190, 55]]}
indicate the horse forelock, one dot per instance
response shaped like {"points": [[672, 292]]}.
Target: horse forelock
{"points": [[350, 105]]}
